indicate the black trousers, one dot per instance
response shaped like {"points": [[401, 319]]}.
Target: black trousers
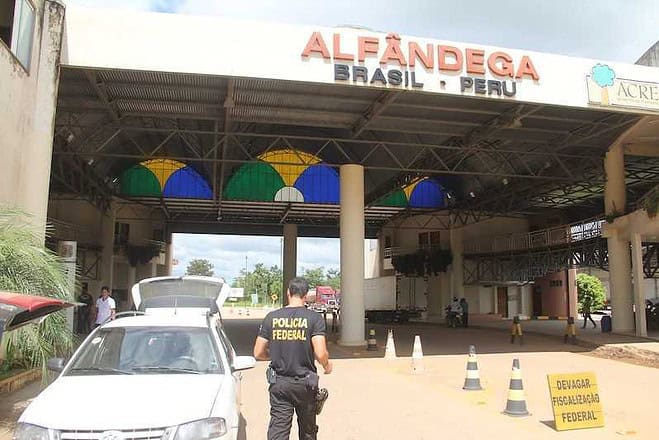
{"points": [[290, 395], [465, 319], [586, 317]]}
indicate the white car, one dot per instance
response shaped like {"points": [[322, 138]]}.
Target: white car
{"points": [[168, 374]]}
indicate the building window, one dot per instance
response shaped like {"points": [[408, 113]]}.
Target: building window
{"points": [[387, 241], [121, 233], [429, 239], [17, 28], [555, 283]]}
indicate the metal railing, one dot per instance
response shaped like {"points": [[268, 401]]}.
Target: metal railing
{"points": [[392, 251], [556, 236]]}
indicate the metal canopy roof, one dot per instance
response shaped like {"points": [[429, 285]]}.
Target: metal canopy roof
{"points": [[493, 156]]}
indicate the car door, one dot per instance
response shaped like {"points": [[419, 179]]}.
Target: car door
{"points": [[237, 376], [17, 309]]}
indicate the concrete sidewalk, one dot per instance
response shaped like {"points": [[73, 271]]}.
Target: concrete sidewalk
{"points": [[588, 337]]}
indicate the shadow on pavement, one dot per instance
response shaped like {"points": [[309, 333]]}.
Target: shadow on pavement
{"points": [[436, 340]]}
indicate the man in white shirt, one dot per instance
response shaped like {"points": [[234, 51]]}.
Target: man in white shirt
{"points": [[105, 306], [455, 311]]}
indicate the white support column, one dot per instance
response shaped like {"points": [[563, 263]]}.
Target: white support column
{"points": [[352, 255], [290, 257], [457, 266], [619, 261], [107, 255], [639, 295], [67, 251], [131, 278], [495, 300]]}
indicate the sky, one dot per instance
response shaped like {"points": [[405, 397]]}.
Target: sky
{"points": [[607, 30], [228, 252], [614, 30]]}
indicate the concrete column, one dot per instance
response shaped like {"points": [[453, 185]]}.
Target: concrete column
{"points": [[131, 278], [352, 255], [619, 261], [434, 295], [520, 301], [290, 257], [615, 197], [67, 251], [37, 148], [495, 302], [107, 241], [639, 294], [457, 266], [169, 253], [572, 297]]}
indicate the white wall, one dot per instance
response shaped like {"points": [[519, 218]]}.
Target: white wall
{"points": [[494, 227], [27, 115]]}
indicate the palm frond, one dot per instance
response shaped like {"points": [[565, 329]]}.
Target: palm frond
{"points": [[26, 266]]}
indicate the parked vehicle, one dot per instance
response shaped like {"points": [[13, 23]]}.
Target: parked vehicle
{"points": [[380, 303], [169, 371]]}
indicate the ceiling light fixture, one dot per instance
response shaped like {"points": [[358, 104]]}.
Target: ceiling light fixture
{"points": [[504, 181]]}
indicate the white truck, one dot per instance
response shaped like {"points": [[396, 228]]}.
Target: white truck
{"points": [[380, 302]]}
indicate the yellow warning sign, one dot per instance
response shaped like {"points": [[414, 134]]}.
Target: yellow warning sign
{"points": [[575, 400]]}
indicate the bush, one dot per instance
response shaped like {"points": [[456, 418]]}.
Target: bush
{"points": [[590, 292]]}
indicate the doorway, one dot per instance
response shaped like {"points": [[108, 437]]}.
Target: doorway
{"points": [[502, 301], [537, 301]]}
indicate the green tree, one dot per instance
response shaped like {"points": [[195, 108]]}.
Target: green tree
{"points": [[590, 292], [199, 266], [333, 278], [26, 266], [315, 277]]}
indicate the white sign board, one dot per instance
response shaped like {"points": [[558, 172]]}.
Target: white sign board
{"points": [[237, 292], [118, 39]]}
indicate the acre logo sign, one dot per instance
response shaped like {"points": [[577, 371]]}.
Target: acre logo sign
{"points": [[414, 66], [606, 89]]}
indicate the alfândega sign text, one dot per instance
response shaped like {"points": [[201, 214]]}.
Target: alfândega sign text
{"points": [[391, 62]]}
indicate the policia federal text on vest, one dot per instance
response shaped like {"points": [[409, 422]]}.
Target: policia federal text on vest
{"points": [[292, 338]]}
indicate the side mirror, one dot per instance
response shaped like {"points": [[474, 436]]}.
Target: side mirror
{"points": [[243, 362], [55, 364]]}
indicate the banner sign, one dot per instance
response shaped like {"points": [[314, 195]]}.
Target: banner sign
{"points": [[575, 400]]}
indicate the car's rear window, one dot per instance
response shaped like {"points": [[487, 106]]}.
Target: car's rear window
{"points": [[148, 350]]}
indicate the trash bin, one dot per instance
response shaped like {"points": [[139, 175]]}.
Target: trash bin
{"points": [[605, 323]]}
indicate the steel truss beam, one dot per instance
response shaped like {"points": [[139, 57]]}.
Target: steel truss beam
{"points": [[78, 177], [524, 266], [372, 160]]}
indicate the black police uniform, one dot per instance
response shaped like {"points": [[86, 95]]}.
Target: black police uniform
{"points": [[289, 331]]}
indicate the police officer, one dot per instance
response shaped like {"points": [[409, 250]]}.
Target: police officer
{"points": [[291, 337]]}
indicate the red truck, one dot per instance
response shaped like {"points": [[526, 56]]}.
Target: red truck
{"points": [[323, 298]]}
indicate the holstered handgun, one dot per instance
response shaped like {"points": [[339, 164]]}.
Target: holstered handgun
{"points": [[270, 375], [321, 398]]}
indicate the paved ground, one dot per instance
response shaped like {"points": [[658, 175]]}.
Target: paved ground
{"points": [[373, 398]]}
